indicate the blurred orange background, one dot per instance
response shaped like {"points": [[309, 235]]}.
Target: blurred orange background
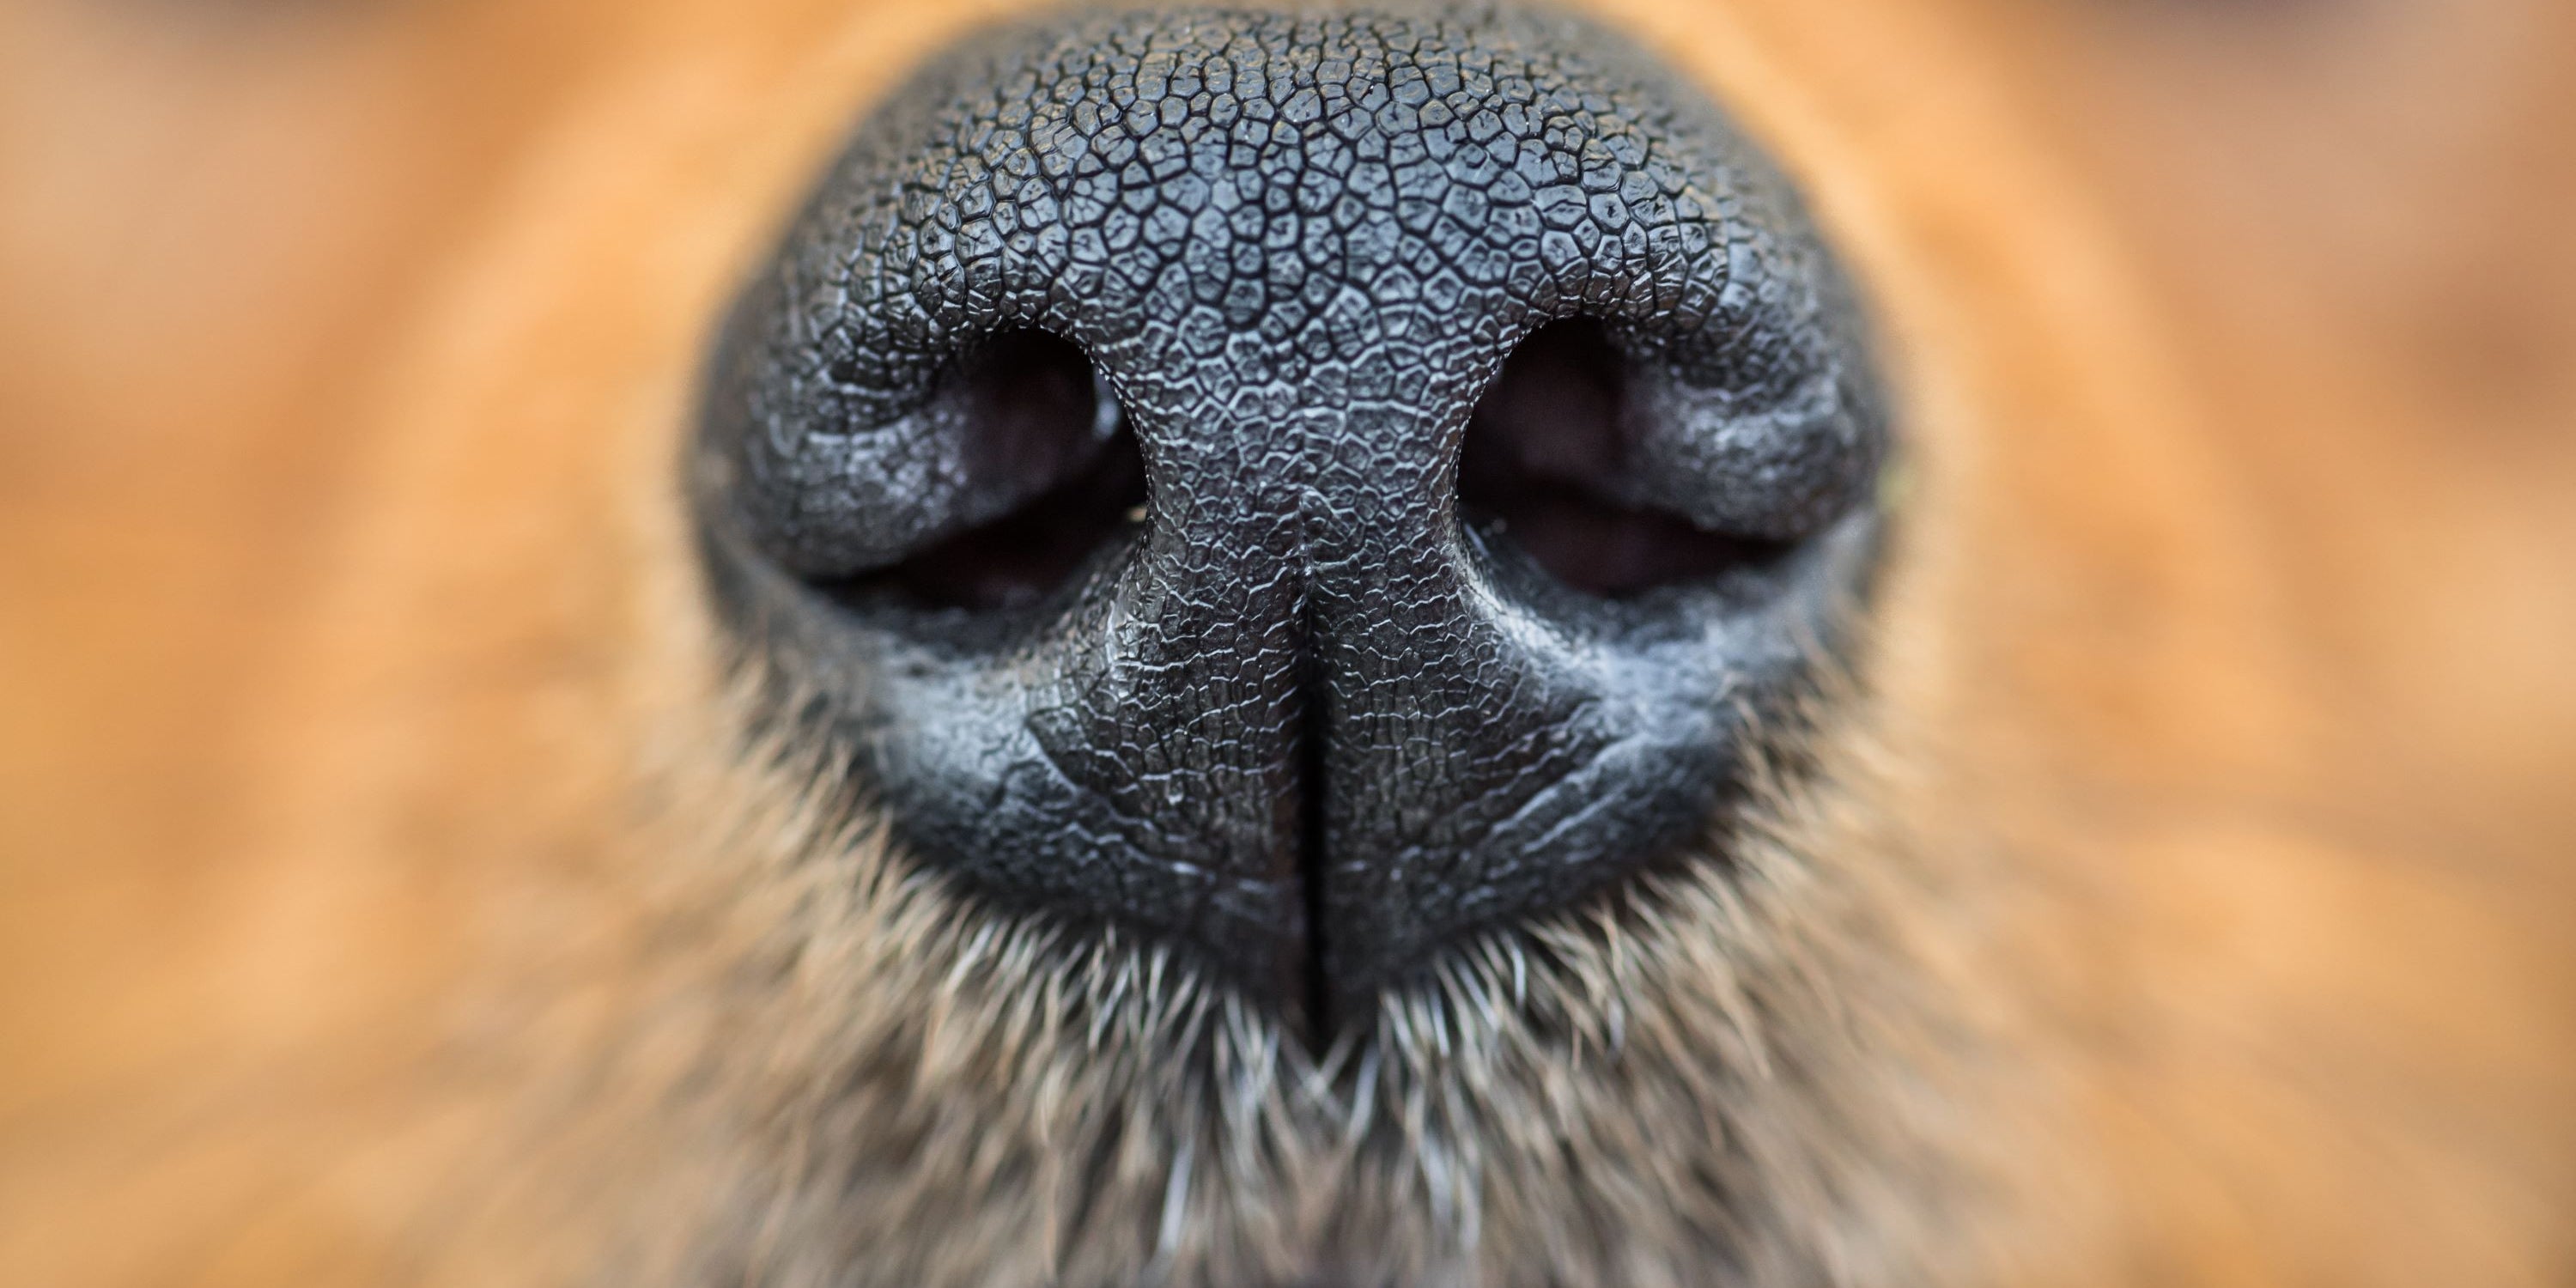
{"points": [[216, 217]]}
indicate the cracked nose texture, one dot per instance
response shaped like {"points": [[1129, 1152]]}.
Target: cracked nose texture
{"points": [[1178, 327]]}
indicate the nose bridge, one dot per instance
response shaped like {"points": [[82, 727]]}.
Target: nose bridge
{"points": [[1315, 641]]}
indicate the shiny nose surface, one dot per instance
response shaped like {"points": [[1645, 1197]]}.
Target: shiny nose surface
{"points": [[1306, 488]]}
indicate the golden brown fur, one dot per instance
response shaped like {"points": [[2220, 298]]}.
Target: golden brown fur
{"points": [[386, 895]]}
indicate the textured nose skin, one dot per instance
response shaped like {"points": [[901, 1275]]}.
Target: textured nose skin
{"points": [[1302, 713]]}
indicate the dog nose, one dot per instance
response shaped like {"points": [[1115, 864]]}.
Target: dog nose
{"points": [[1306, 489]]}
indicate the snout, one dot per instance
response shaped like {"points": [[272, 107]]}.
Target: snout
{"points": [[1306, 490]]}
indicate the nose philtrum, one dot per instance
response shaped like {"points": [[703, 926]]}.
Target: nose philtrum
{"points": [[1299, 661], [1312, 719]]}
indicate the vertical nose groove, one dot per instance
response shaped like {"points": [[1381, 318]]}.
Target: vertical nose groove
{"points": [[1245, 619], [1319, 1018]]}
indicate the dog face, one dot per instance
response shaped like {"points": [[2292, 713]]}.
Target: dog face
{"points": [[1378, 645]]}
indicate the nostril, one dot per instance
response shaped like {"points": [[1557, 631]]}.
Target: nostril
{"points": [[1050, 474], [1029, 553], [1550, 467]]}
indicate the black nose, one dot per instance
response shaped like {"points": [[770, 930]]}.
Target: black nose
{"points": [[1308, 488]]}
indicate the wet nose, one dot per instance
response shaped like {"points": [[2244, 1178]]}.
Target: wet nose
{"points": [[1306, 490]]}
